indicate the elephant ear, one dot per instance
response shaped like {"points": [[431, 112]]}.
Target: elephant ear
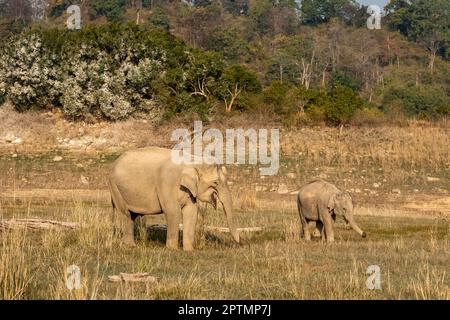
{"points": [[189, 180], [332, 202]]}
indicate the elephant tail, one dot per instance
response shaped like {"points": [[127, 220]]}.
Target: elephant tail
{"points": [[117, 201]]}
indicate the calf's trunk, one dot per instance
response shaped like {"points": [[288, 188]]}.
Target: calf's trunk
{"points": [[354, 226]]}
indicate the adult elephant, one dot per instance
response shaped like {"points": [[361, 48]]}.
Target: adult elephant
{"points": [[322, 201], [147, 182]]}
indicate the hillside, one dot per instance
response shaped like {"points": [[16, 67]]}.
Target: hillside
{"points": [[251, 57]]}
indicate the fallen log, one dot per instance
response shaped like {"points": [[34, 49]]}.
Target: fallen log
{"points": [[163, 227], [36, 224], [225, 230], [132, 277]]}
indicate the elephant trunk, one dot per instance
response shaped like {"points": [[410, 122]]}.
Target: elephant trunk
{"points": [[227, 204], [354, 226]]}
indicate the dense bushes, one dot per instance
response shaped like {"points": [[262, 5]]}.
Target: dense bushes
{"points": [[105, 72], [335, 106], [114, 71], [423, 101]]}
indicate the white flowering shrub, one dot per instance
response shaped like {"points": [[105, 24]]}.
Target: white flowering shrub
{"points": [[109, 72], [27, 73], [76, 102], [114, 106]]}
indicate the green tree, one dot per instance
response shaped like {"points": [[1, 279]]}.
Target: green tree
{"points": [[314, 12], [424, 101], [235, 81], [204, 70], [423, 21], [159, 19], [227, 41], [274, 17], [342, 105], [113, 10]]}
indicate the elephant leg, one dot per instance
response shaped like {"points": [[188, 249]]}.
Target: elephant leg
{"points": [[120, 209], [173, 217], [303, 222], [319, 226], [329, 232], [305, 227], [128, 230], [189, 222]]}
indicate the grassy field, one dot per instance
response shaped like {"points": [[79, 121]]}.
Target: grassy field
{"points": [[408, 229]]}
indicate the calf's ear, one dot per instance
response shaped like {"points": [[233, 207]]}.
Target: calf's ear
{"points": [[331, 202]]}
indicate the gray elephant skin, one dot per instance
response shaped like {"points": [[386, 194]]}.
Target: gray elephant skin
{"points": [[147, 182], [321, 201]]}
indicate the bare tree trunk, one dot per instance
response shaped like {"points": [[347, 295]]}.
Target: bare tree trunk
{"points": [[324, 77], [306, 70], [138, 5], [201, 89], [233, 96], [388, 40], [281, 73], [432, 60]]}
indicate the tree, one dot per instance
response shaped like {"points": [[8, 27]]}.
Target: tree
{"points": [[111, 9], [205, 68], [196, 22], [260, 16], [228, 42], [343, 104], [159, 19], [423, 21], [314, 12], [293, 60], [237, 80], [432, 27], [16, 10], [274, 17], [137, 5]]}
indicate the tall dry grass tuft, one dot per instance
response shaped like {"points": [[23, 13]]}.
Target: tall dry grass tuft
{"points": [[429, 283], [96, 225], [291, 231], [15, 272]]}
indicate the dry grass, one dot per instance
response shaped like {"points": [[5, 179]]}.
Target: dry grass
{"points": [[413, 255], [15, 275]]}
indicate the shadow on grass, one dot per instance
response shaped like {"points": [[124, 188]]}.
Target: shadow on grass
{"points": [[158, 234]]}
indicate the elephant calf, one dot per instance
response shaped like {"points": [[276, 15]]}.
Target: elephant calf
{"points": [[321, 201]]}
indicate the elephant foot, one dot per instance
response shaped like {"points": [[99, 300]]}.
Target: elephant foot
{"points": [[172, 245], [130, 243], [188, 248]]}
